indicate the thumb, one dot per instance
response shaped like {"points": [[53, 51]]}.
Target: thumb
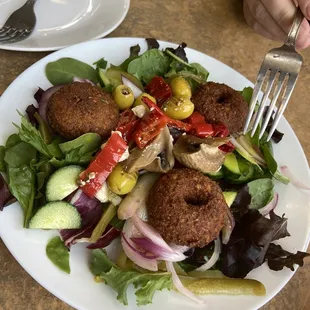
{"points": [[305, 7]]}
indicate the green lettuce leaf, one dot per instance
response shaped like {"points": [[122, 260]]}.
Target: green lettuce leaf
{"points": [[146, 284]]}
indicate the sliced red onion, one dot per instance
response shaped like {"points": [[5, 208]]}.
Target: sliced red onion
{"points": [[229, 227], [79, 80], [167, 253], [142, 251], [107, 237], [44, 100], [270, 206], [132, 251], [285, 171], [214, 257], [159, 252], [244, 143], [179, 286], [135, 89], [236, 144]]}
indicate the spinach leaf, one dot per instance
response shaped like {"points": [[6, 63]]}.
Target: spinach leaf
{"points": [[86, 143], [32, 136], [2, 154], [261, 192], [119, 279], [79, 151], [134, 53], [73, 157], [22, 186], [148, 65], [101, 63], [12, 140], [272, 164], [21, 177], [247, 93], [20, 154], [63, 70], [58, 253]]}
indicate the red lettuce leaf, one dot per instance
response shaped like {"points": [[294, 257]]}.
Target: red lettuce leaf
{"points": [[107, 237], [152, 43], [250, 241], [31, 110], [277, 258], [90, 210], [6, 198]]}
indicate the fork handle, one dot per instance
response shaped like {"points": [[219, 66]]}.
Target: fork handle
{"points": [[292, 36]]}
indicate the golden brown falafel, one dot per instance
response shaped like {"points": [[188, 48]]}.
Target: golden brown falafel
{"points": [[186, 208], [79, 108], [220, 103]]}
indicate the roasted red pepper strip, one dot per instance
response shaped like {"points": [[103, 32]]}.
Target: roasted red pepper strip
{"points": [[159, 89], [202, 130], [196, 118], [92, 179], [149, 127], [127, 123], [220, 130], [171, 122], [227, 148]]}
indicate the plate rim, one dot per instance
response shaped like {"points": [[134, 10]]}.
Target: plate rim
{"points": [[11, 47], [37, 63]]}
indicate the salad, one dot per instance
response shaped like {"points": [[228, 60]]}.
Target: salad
{"points": [[148, 154]]}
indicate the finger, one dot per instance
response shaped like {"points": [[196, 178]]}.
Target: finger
{"points": [[283, 12], [253, 23], [305, 7], [263, 16], [303, 39]]}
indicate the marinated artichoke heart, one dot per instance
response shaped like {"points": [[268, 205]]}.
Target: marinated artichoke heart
{"points": [[200, 154], [155, 157]]}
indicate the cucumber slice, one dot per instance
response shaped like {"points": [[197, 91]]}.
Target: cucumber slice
{"points": [[229, 197], [56, 215], [62, 182], [231, 166], [216, 175], [247, 173]]}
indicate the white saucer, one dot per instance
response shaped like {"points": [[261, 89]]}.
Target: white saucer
{"points": [[63, 23]]}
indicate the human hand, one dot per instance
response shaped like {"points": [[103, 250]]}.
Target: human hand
{"points": [[273, 19]]}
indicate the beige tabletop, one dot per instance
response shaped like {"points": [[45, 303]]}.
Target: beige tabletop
{"points": [[217, 28]]}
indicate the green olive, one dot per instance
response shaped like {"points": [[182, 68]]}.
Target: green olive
{"points": [[123, 97], [181, 88], [138, 101], [178, 108], [121, 182]]}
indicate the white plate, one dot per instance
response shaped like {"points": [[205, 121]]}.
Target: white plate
{"points": [[79, 289], [62, 23]]}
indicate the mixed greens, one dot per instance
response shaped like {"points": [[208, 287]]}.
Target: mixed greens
{"points": [[56, 181]]}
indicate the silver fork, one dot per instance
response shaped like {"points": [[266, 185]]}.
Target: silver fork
{"points": [[19, 25], [284, 62]]}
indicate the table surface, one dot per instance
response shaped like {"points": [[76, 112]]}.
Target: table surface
{"points": [[216, 28]]}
